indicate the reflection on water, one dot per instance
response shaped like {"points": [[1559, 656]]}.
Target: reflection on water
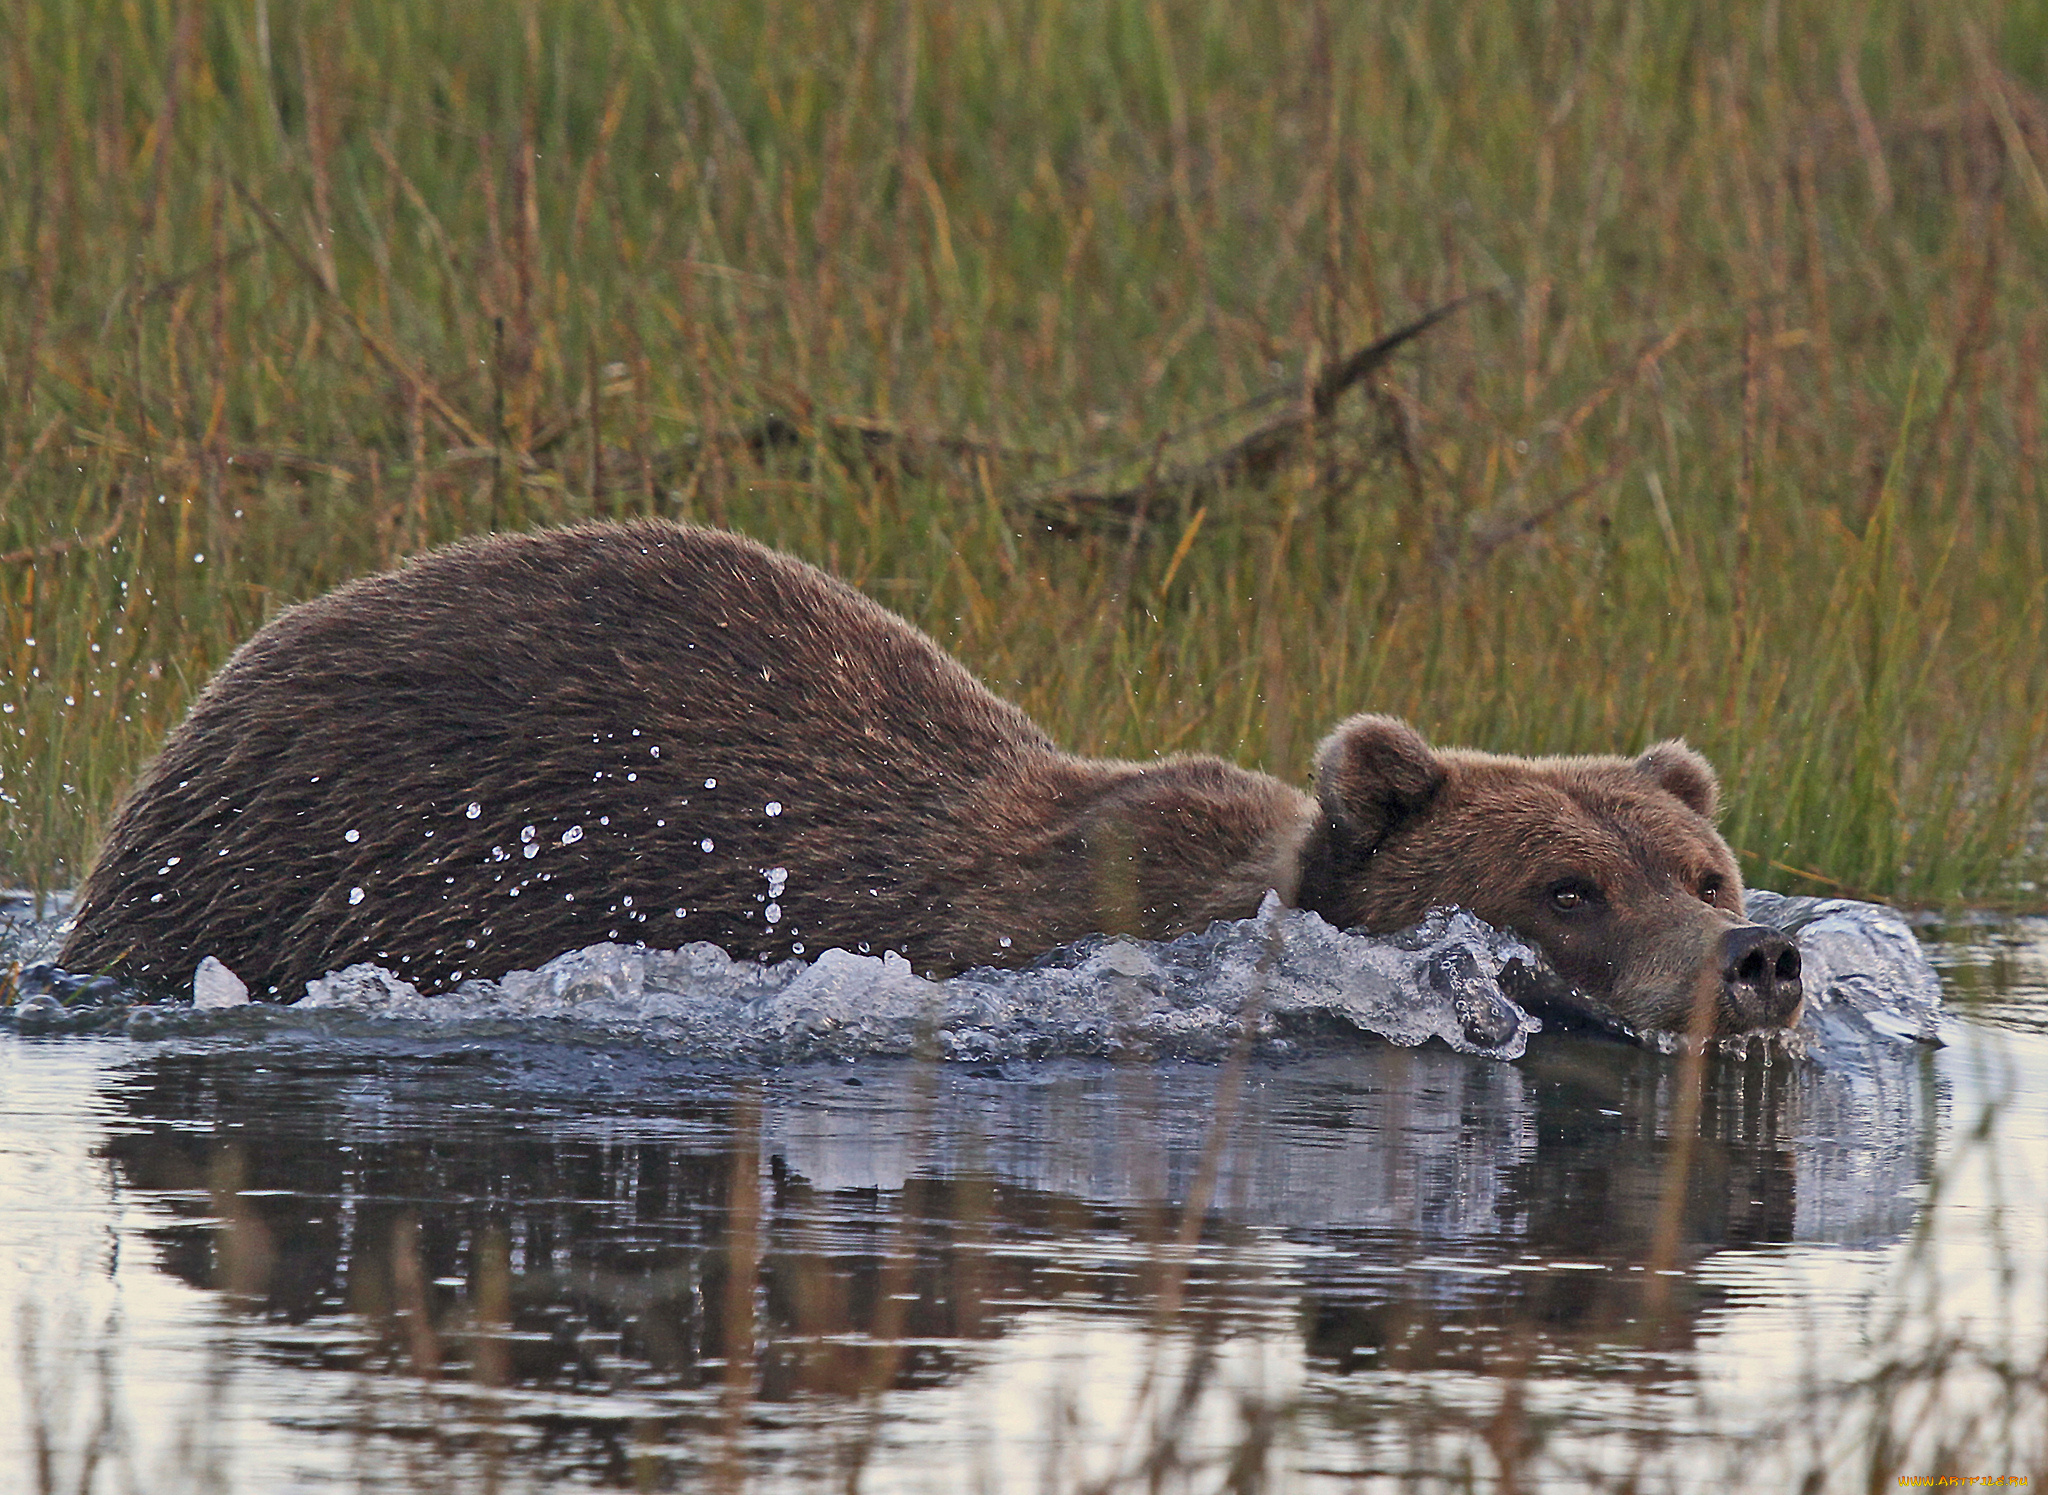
{"points": [[317, 1261]]}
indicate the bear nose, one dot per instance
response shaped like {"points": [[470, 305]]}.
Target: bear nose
{"points": [[1761, 977]]}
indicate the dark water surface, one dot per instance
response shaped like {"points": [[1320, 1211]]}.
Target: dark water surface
{"points": [[352, 1254]]}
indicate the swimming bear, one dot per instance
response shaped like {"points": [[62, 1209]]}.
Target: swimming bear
{"points": [[655, 733]]}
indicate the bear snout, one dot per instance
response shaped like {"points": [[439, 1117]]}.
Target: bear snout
{"points": [[1760, 979]]}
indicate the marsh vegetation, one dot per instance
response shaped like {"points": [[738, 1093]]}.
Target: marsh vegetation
{"points": [[1040, 322], [1016, 316]]}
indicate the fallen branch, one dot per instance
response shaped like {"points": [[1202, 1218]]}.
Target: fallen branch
{"points": [[879, 446], [34, 553], [1257, 456], [428, 394], [20, 475], [253, 460], [875, 439], [1492, 534], [1507, 520]]}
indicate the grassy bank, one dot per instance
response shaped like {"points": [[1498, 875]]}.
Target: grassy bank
{"points": [[1747, 447]]}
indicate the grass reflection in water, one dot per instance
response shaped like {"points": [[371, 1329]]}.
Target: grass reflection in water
{"points": [[505, 1265]]}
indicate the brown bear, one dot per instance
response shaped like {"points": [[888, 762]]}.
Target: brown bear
{"points": [[523, 744]]}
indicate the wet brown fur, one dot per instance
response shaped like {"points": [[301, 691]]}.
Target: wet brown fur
{"points": [[1406, 827], [610, 698]]}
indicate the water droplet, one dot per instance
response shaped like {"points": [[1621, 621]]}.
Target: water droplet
{"points": [[355, 896], [778, 879], [796, 946], [526, 833], [774, 807], [351, 836], [474, 810], [572, 835], [627, 901], [711, 783], [530, 851], [682, 913], [773, 913], [632, 778], [705, 844], [1004, 942], [654, 752]]}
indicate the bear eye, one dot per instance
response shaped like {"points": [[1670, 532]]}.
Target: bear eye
{"points": [[1712, 886], [1571, 896]]}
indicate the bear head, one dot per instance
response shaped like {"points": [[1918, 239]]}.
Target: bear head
{"points": [[1611, 867]]}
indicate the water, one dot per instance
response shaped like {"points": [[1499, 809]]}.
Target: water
{"points": [[1280, 984], [547, 1244]]}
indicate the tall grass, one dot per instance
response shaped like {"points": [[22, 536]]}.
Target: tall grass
{"points": [[1749, 449]]}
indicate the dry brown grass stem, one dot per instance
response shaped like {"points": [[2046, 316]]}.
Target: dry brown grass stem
{"points": [[1275, 443]]}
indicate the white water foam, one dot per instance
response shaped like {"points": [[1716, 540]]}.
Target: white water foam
{"points": [[1284, 981]]}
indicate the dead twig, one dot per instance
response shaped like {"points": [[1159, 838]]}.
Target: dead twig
{"points": [[1256, 456], [253, 460], [1507, 520], [36, 448], [880, 444], [428, 395], [34, 553], [1495, 533]]}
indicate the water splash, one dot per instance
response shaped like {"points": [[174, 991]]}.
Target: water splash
{"points": [[1283, 984], [1868, 981]]}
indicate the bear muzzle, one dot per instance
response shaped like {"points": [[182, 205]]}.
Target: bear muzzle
{"points": [[1760, 978], [1722, 979]]}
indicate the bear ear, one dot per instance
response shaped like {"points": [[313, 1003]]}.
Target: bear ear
{"points": [[1678, 770], [1374, 772]]}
